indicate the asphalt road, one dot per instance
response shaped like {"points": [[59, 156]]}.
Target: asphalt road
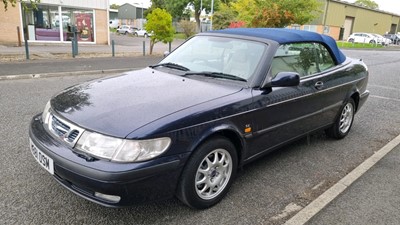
{"points": [[292, 176]]}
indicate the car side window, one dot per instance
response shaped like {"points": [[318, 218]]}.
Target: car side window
{"points": [[324, 58], [303, 58]]}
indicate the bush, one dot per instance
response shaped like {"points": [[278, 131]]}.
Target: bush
{"points": [[188, 28]]}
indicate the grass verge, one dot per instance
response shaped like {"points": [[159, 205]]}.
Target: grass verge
{"points": [[342, 44], [180, 36]]}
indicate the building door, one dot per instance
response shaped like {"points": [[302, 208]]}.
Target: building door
{"points": [[341, 34], [393, 28], [348, 27]]}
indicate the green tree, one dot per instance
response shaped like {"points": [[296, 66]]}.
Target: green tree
{"points": [[177, 8], [114, 6], [13, 3], [244, 10], [270, 13], [223, 17], [154, 5], [160, 23], [367, 3]]}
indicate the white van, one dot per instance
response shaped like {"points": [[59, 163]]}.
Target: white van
{"points": [[114, 23]]}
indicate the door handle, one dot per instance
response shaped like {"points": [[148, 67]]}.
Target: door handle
{"points": [[319, 85]]}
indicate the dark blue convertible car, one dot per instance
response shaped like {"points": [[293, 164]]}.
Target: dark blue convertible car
{"points": [[183, 127]]}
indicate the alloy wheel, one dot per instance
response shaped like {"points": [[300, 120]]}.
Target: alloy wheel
{"points": [[213, 174], [346, 118]]}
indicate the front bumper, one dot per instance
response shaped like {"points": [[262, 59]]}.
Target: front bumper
{"points": [[133, 182]]}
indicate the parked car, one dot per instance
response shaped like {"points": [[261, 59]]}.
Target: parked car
{"points": [[394, 37], [382, 40], [184, 126], [362, 38], [125, 29], [142, 33]]}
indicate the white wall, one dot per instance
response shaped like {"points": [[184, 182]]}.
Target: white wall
{"points": [[94, 4]]}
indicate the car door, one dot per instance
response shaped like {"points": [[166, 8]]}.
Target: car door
{"points": [[357, 38], [332, 79], [286, 113]]}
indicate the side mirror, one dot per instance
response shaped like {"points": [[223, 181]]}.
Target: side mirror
{"points": [[285, 79], [166, 53]]}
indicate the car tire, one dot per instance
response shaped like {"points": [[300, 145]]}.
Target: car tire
{"points": [[126, 32], [351, 40], [213, 167], [372, 42], [343, 122]]}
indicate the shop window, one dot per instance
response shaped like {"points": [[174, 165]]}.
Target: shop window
{"points": [[46, 24], [326, 29], [39, 25], [82, 21], [312, 28]]}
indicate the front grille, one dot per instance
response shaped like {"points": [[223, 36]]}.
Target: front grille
{"points": [[59, 127], [64, 130], [73, 135]]}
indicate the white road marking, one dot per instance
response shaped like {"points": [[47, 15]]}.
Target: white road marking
{"points": [[318, 204], [384, 87], [386, 98]]}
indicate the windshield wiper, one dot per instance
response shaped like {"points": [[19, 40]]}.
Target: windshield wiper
{"points": [[216, 74], [170, 65]]}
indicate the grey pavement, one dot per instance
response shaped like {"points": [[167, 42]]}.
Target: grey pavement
{"points": [[124, 46], [372, 199], [56, 59], [60, 67]]}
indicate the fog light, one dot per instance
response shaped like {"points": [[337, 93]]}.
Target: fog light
{"points": [[110, 198]]}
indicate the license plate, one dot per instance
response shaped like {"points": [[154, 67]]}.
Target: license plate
{"points": [[43, 160]]}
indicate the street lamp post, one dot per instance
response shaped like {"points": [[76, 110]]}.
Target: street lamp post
{"points": [[142, 17], [201, 10], [212, 14]]}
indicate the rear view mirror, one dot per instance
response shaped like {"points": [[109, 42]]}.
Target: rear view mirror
{"points": [[286, 79]]}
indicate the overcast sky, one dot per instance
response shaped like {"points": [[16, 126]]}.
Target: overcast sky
{"points": [[392, 6]]}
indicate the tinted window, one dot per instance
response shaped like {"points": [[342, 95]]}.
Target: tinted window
{"points": [[303, 58]]}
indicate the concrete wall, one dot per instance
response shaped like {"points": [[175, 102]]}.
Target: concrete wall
{"points": [[94, 4], [127, 11], [365, 20]]}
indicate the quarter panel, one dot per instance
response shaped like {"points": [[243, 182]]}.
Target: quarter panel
{"points": [[339, 84]]}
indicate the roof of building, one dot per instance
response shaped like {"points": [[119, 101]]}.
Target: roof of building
{"points": [[363, 7], [284, 36]]}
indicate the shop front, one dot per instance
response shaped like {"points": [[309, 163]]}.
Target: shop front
{"points": [[61, 21]]}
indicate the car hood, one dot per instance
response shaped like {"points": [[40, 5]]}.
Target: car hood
{"points": [[119, 105]]}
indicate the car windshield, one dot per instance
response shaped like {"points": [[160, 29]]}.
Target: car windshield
{"points": [[218, 57]]}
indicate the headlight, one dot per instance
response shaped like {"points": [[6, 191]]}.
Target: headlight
{"points": [[121, 150], [46, 113]]}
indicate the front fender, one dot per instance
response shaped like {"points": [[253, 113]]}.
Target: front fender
{"points": [[227, 130]]}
